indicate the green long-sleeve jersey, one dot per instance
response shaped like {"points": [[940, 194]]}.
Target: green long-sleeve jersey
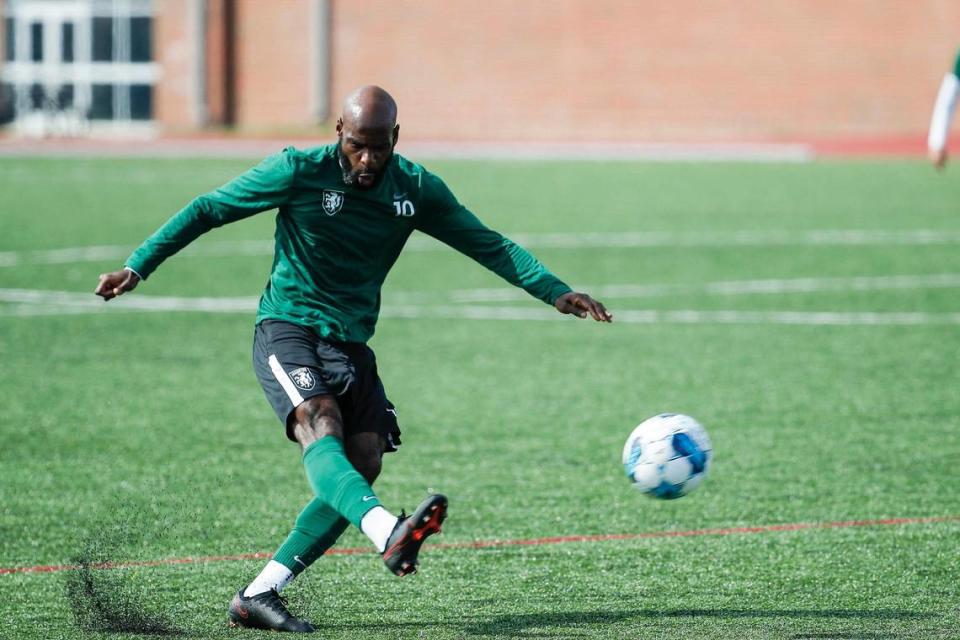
{"points": [[335, 242]]}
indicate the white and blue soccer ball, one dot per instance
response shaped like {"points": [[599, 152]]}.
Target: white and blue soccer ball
{"points": [[667, 456]]}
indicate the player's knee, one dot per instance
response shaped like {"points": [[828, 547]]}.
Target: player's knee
{"points": [[369, 467], [365, 452], [317, 417]]}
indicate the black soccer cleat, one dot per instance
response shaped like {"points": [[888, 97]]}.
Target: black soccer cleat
{"points": [[404, 542], [265, 611]]}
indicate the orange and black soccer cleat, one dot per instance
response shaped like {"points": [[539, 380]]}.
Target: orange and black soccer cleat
{"points": [[404, 542]]}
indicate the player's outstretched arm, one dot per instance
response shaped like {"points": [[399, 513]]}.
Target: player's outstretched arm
{"points": [[580, 304], [116, 283]]}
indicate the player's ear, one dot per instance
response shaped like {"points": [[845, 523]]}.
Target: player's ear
{"points": [[339, 127], [396, 134]]}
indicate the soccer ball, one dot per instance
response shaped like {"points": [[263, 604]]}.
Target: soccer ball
{"points": [[667, 456]]}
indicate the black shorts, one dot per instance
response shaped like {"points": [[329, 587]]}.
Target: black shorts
{"points": [[292, 364]]}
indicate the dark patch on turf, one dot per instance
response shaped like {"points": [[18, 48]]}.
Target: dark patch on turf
{"points": [[113, 600], [100, 604]]}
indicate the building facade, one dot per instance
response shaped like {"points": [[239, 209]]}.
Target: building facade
{"points": [[498, 70], [71, 63]]}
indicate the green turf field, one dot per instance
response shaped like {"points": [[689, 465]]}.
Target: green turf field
{"points": [[807, 314]]}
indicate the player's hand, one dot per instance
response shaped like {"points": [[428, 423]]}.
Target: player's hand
{"points": [[116, 283], [580, 304], [938, 157]]}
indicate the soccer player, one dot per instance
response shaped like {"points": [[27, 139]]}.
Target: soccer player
{"points": [[345, 212], [942, 115]]}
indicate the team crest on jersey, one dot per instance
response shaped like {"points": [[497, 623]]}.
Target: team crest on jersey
{"points": [[332, 201], [303, 378]]}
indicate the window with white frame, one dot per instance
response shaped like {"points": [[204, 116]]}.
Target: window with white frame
{"points": [[85, 62]]}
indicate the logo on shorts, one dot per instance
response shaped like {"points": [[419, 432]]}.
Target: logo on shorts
{"points": [[303, 378], [332, 201]]}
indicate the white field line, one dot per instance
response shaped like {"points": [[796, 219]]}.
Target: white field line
{"points": [[571, 240], [28, 302], [651, 316], [104, 253], [81, 302], [728, 288], [507, 294]]}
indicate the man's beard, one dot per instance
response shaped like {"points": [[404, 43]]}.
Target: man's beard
{"points": [[351, 176]]}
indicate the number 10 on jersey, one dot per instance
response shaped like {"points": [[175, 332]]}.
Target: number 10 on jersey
{"points": [[404, 208]]}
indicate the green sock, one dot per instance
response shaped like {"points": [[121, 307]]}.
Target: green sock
{"points": [[336, 482], [316, 530]]}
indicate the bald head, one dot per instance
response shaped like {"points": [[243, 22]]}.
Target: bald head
{"points": [[369, 107], [368, 131]]}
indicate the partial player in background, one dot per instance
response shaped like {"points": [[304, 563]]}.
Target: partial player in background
{"points": [[942, 115]]}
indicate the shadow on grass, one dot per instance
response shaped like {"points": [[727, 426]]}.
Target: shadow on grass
{"points": [[566, 623]]}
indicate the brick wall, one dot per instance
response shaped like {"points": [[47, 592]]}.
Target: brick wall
{"points": [[256, 63], [174, 53], [578, 70], [273, 62], [649, 70]]}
